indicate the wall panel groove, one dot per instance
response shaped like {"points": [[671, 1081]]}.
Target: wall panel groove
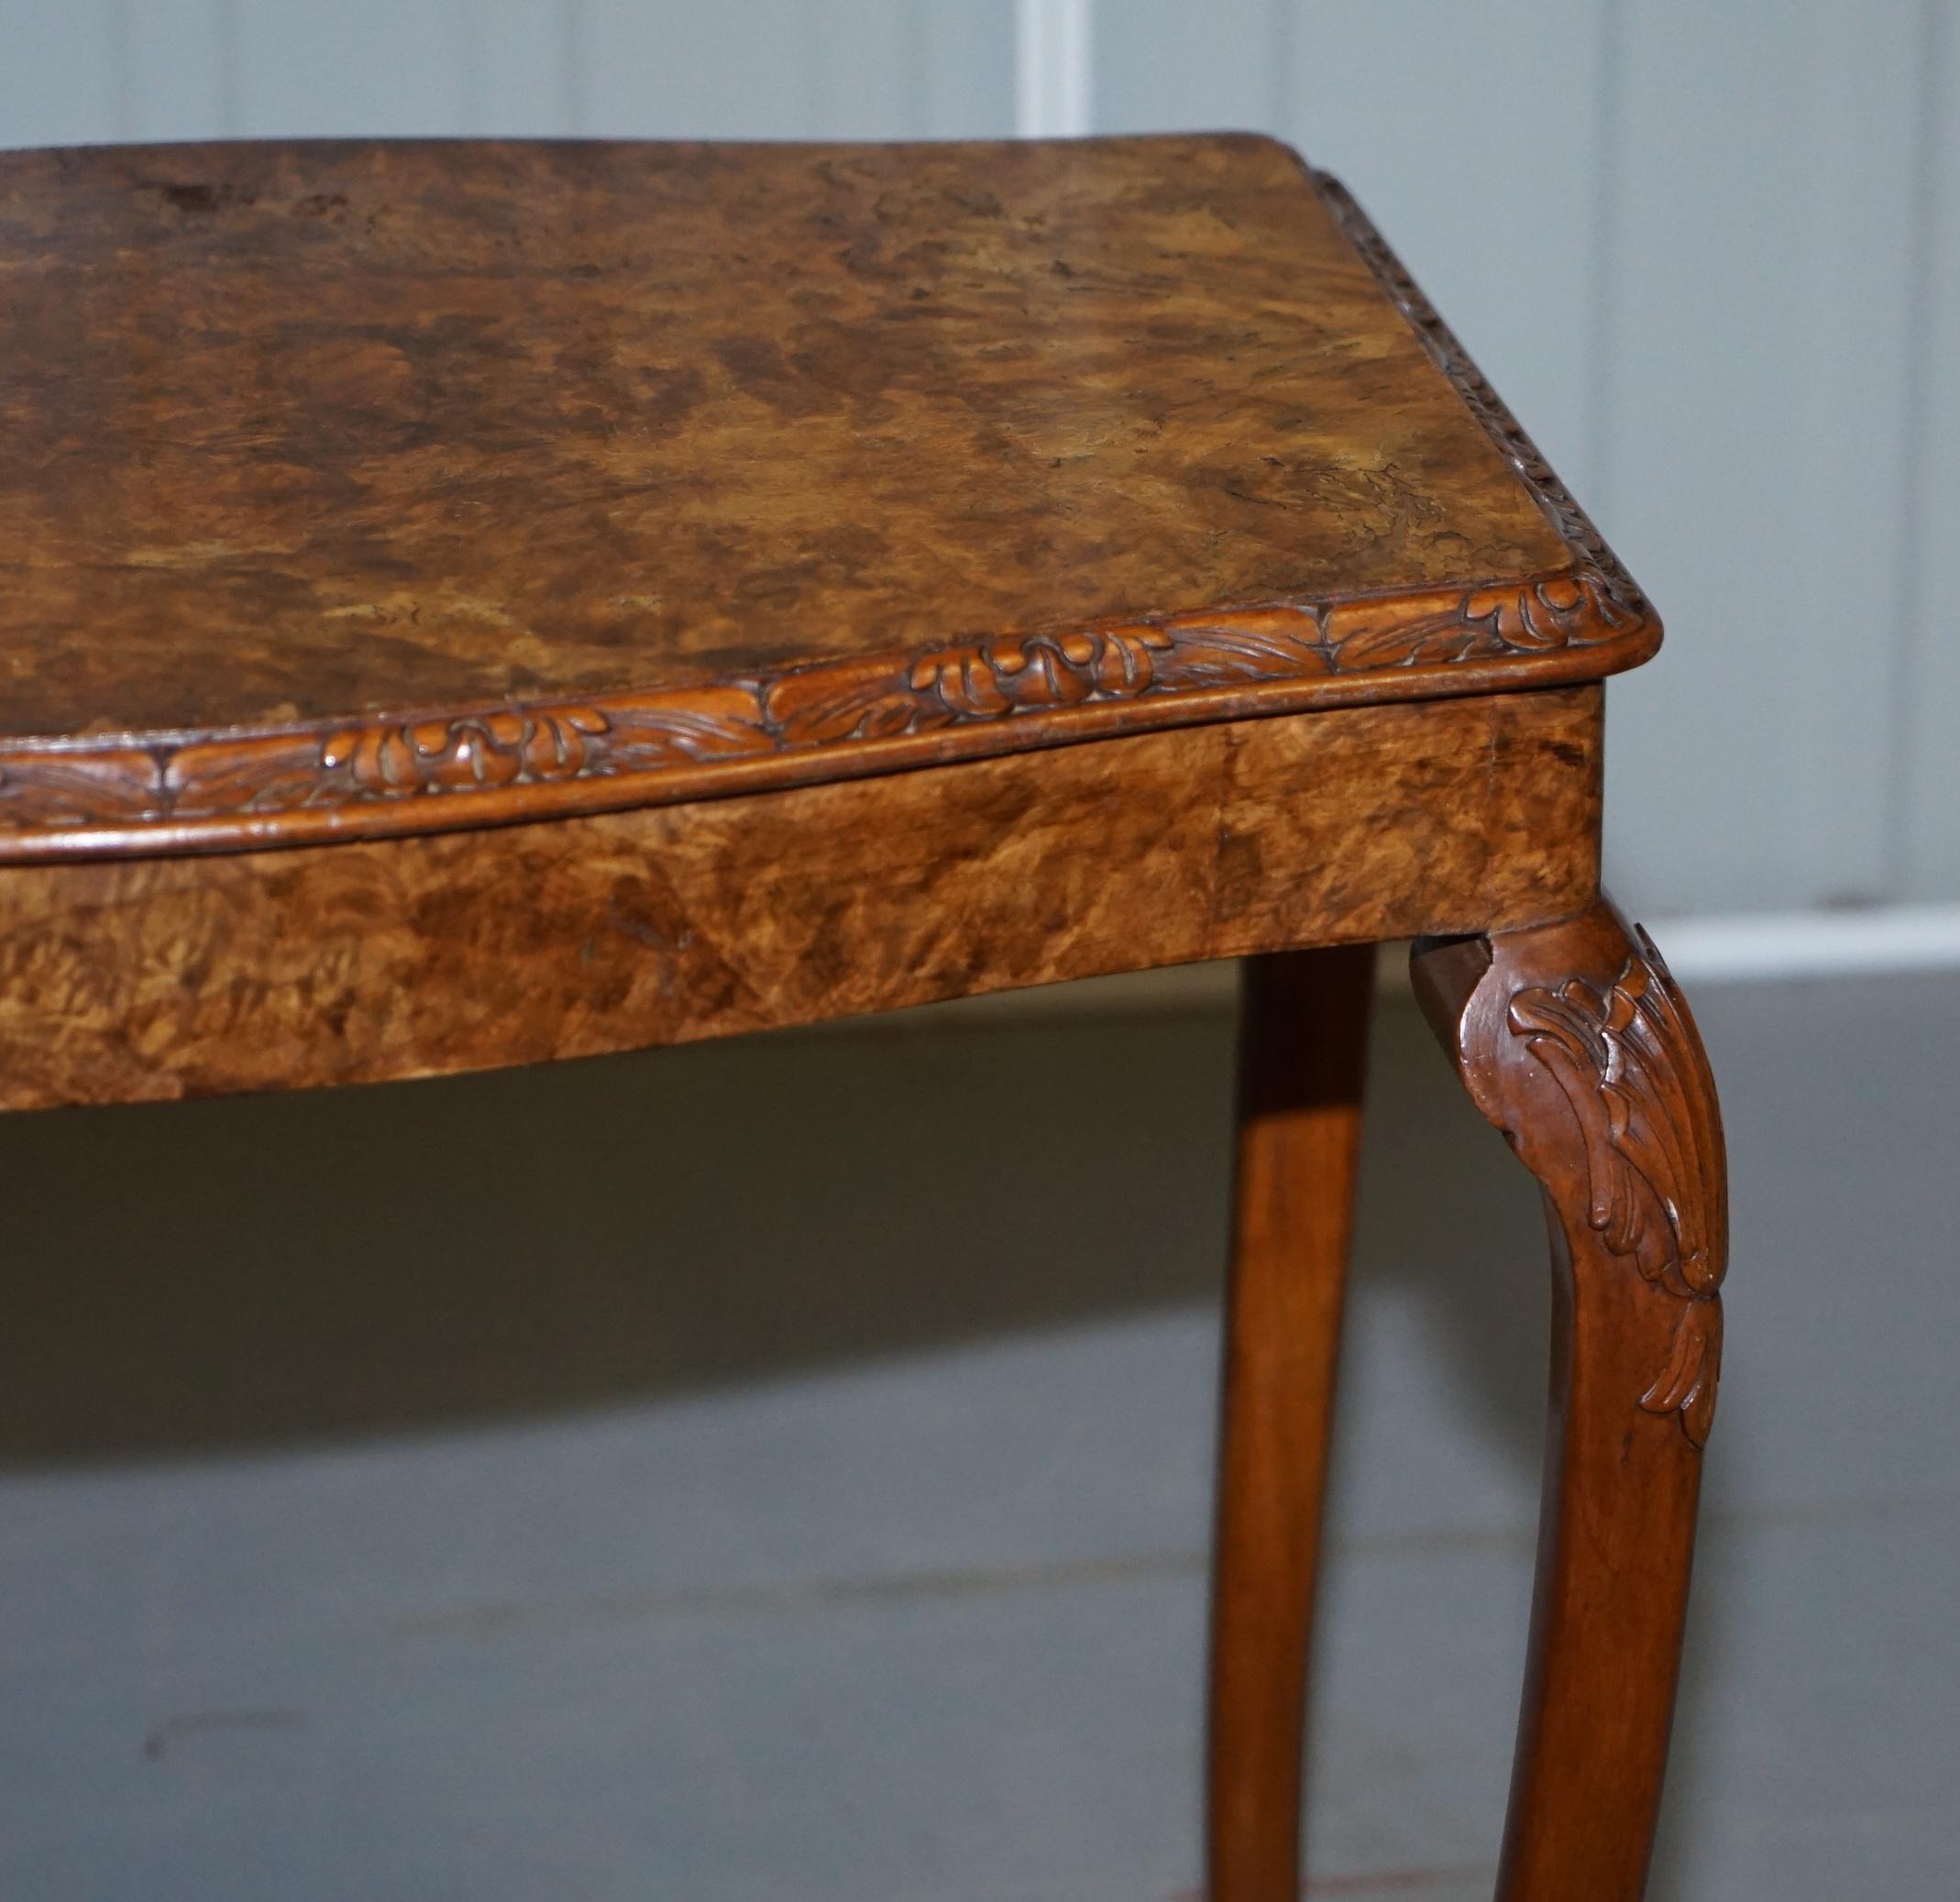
{"points": [[1754, 435], [1926, 803]]}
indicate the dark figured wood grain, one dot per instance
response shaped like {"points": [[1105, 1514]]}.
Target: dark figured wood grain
{"points": [[322, 965], [653, 592], [1572, 1038], [1302, 1055], [369, 488]]}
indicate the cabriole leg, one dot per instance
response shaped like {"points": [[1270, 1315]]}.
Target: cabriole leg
{"points": [[1303, 1044], [1573, 1040]]}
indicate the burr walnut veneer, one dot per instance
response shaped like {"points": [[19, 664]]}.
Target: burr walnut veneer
{"points": [[468, 604]]}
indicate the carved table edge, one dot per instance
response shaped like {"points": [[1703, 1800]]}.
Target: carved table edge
{"points": [[1591, 552], [381, 774], [390, 778]]}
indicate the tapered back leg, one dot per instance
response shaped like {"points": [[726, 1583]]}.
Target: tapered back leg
{"points": [[1303, 1048]]}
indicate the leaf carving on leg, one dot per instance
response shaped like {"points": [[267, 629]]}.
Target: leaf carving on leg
{"points": [[1628, 1063]]}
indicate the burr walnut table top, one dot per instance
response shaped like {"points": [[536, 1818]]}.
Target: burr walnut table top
{"points": [[374, 488]]}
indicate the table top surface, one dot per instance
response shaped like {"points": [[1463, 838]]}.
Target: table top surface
{"points": [[358, 487]]}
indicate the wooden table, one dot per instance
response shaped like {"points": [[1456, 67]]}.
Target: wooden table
{"points": [[471, 604]]}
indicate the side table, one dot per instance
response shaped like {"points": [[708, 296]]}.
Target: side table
{"points": [[471, 604]]}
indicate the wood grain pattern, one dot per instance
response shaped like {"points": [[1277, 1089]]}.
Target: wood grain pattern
{"points": [[410, 487], [156, 978], [1302, 1052], [1572, 1038], [654, 592]]}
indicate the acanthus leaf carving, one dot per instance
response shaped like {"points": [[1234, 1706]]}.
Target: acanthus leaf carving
{"points": [[80, 786], [645, 732], [495, 748], [1284, 641], [1652, 1153]]}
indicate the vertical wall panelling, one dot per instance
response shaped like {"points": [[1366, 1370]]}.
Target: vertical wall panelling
{"points": [[912, 68], [733, 69], [966, 70], [61, 79], [867, 79], [515, 78], [1166, 66], [1055, 53], [358, 67], [176, 77], [792, 69], [1760, 317], [1927, 807]]}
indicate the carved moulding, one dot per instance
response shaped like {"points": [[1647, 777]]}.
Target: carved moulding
{"points": [[199, 778], [1573, 1040], [1589, 550], [1630, 1067]]}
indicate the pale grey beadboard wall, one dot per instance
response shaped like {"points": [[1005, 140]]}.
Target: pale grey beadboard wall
{"points": [[1709, 251]]}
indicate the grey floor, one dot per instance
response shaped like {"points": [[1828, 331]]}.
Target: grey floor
{"points": [[509, 1487]]}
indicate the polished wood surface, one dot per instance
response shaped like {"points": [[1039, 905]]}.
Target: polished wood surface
{"points": [[365, 488], [357, 963], [471, 604], [1302, 1054], [1573, 1040]]}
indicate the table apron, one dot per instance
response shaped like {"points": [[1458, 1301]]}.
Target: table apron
{"points": [[157, 978]]}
